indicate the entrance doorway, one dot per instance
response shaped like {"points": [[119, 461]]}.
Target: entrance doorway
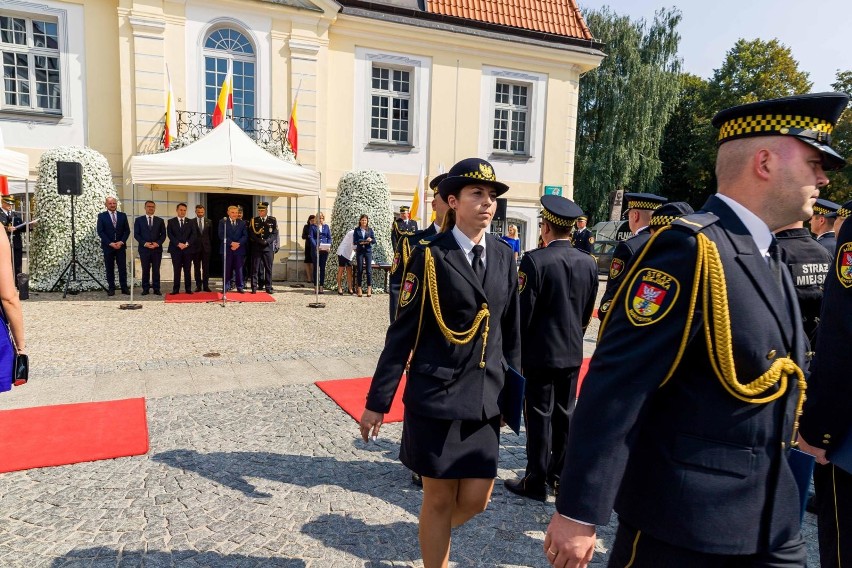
{"points": [[217, 209]]}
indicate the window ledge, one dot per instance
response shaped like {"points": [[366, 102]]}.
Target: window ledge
{"points": [[389, 146], [509, 157], [22, 115]]}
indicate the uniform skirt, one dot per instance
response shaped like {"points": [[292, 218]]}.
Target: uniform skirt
{"points": [[450, 449]]}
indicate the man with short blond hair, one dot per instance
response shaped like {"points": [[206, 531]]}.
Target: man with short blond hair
{"points": [[113, 232]]}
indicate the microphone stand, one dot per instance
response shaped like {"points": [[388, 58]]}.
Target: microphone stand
{"points": [[225, 277]]}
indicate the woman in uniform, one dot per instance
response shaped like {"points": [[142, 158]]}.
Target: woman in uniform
{"points": [[458, 319]]}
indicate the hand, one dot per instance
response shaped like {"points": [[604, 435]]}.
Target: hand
{"points": [[569, 544], [817, 453], [370, 420], [235, 246]]}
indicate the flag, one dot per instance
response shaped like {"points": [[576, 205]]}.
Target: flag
{"points": [[418, 193], [171, 122], [4, 185], [293, 130], [225, 102], [435, 215]]}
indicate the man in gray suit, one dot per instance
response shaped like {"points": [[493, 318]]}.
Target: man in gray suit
{"points": [[203, 248]]}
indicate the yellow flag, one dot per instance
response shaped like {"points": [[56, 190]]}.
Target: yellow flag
{"points": [[418, 192]]}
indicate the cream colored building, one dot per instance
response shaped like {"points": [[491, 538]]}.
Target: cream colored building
{"points": [[393, 85]]}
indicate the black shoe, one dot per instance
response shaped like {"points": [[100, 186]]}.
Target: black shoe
{"points": [[198, 288], [125, 291], [241, 290], [254, 290], [416, 479], [269, 291], [110, 292], [157, 293], [810, 505], [145, 292], [207, 289], [520, 487], [175, 291], [553, 483], [189, 291]]}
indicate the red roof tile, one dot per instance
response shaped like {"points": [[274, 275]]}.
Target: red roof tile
{"points": [[559, 17]]}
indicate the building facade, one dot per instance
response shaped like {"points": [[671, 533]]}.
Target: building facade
{"points": [[393, 86]]}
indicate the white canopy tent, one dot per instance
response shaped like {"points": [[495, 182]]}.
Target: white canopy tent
{"points": [[13, 164], [222, 161]]}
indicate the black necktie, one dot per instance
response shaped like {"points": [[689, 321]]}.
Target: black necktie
{"points": [[477, 264]]}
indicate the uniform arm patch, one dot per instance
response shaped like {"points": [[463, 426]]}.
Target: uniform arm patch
{"points": [[522, 281], [650, 297], [409, 289], [615, 268], [844, 265]]}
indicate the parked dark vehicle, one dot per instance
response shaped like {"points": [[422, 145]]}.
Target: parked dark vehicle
{"points": [[602, 253]]}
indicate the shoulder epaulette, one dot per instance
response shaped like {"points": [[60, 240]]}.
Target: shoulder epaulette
{"points": [[503, 242], [695, 222]]}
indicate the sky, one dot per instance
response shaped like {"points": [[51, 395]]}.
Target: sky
{"points": [[817, 32]]}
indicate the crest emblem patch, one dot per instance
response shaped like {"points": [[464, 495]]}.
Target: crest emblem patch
{"points": [[615, 267], [522, 281], [652, 294], [409, 289], [395, 263], [844, 265], [487, 172]]}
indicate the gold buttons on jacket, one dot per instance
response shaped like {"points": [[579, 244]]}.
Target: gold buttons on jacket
{"points": [[484, 306], [771, 355], [482, 364]]}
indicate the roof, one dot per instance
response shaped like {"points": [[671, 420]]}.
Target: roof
{"points": [[557, 17]]}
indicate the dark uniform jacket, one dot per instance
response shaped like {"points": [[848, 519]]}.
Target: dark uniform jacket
{"points": [[828, 240], [400, 258], [682, 459], [12, 219], [621, 257], [583, 240], [262, 233], [558, 286], [446, 381], [808, 263], [827, 420], [402, 229]]}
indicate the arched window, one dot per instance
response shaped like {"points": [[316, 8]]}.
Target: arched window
{"points": [[224, 49]]}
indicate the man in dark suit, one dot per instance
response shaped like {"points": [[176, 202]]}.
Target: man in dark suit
{"points": [[689, 408], [183, 238], [583, 239], [114, 230], [826, 420], [233, 230], [558, 285], [640, 209], [10, 219], [402, 227], [150, 232], [822, 224], [263, 234], [406, 244], [203, 247]]}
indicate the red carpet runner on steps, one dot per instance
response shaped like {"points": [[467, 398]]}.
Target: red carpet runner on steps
{"points": [[201, 297], [72, 433], [351, 394]]}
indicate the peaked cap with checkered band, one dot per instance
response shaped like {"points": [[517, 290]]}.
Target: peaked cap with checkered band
{"points": [[809, 118]]}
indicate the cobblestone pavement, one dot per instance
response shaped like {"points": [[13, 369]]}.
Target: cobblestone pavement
{"points": [[250, 464]]}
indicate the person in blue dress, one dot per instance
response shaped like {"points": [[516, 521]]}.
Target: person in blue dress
{"points": [[511, 237]]}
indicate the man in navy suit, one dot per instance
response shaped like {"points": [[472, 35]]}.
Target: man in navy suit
{"points": [[114, 230], [234, 230], [183, 239], [691, 403], [150, 232], [203, 246]]}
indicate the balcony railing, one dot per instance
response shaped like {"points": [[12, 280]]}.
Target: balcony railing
{"points": [[269, 133]]}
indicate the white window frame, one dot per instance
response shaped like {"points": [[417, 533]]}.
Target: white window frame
{"points": [[391, 96], [230, 57], [31, 52], [511, 109]]}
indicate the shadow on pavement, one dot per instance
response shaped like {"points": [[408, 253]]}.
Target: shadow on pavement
{"points": [[98, 557]]}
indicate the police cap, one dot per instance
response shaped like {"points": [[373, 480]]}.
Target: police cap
{"points": [[8, 199], [559, 210], [667, 213], [404, 209], [646, 201], [470, 171], [826, 208], [846, 210], [433, 183], [262, 206], [809, 118]]}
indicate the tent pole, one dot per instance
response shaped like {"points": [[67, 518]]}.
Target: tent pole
{"points": [[225, 277], [27, 219], [316, 303], [132, 222]]}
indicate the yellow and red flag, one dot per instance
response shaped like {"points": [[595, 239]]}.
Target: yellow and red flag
{"points": [[171, 122], [293, 129], [225, 102], [418, 195]]}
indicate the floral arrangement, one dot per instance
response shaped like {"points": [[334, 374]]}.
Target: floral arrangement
{"points": [[358, 193], [50, 249]]}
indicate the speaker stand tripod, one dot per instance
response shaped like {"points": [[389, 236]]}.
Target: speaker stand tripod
{"points": [[73, 263]]}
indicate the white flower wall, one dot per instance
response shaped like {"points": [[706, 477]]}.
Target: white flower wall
{"points": [[51, 240], [359, 193]]}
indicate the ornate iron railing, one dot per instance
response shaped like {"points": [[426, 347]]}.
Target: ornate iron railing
{"points": [[267, 132]]}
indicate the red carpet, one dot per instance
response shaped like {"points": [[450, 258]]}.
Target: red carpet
{"points": [[351, 395], [72, 433], [201, 297], [584, 368]]}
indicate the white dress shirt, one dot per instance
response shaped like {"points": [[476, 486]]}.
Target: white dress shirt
{"points": [[467, 245]]}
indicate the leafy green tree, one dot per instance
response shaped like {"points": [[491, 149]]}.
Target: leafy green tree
{"points": [[624, 106], [840, 188]]}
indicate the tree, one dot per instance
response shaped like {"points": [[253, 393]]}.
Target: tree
{"points": [[840, 188], [624, 106]]}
